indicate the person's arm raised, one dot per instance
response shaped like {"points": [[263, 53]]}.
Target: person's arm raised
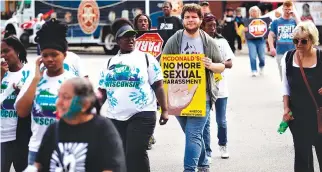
{"points": [[24, 104]]}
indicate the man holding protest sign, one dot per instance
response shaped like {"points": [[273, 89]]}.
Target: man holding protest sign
{"points": [[181, 91]]}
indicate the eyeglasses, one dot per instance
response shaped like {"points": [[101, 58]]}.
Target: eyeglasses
{"points": [[303, 41]]}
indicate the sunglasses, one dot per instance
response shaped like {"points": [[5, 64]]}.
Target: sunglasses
{"points": [[303, 41]]}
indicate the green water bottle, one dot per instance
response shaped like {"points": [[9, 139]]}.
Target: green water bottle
{"points": [[283, 125]]}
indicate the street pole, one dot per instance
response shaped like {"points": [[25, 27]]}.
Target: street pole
{"points": [[147, 7]]}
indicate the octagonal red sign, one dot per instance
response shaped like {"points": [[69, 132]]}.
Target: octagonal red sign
{"points": [[257, 28], [150, 43]]}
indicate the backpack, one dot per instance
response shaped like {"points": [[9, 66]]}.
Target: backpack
{"points": [[146, 59]]}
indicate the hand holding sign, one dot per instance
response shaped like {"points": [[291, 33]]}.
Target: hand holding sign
{"points": [[207, 62], [179, 97]]}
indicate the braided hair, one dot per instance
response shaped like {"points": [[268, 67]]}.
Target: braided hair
{"points": [[53, 35], [15, 43], [136, 19]]}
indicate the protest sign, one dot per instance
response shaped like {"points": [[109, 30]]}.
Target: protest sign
{"points": [[185, 84], [150, 43], [257, 27]]}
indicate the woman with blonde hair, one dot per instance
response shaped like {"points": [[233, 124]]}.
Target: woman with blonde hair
{"points": [[256, 46], [302, 95]]}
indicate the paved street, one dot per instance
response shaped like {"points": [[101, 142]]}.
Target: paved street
{"points": [[254, 112]]}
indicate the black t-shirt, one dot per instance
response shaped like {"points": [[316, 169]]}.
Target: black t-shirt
{"points": [[169, 23], [229, 27], [239, 20], [92, 146]]}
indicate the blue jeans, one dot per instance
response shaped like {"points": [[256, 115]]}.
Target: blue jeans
{"points": [[195, 153], [256, 48], [32, 157], [220, 105]]}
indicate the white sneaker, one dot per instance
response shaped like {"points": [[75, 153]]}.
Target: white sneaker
{"points": [[209, 159], [203, 169], [224, 152], [261, 71], [254, 74]]}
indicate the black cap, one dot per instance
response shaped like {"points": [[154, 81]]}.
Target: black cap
{"points": [[204, 3], [126, 29]]}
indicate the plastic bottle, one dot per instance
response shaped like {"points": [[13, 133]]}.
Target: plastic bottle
{"points": [[283, 125]]}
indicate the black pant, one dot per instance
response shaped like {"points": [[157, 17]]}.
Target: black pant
{"points": [[230, 37], [239, 42], [135, 134], [14, 152], [231, 42], [303, 143]]}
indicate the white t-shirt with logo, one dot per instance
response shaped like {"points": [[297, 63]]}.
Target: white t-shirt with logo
{"points": [[44, 105], [227, 54], [72, 64], [127, 82], [9, 117]]}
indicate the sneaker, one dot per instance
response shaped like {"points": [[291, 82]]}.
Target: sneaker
{"points": [[149, 146], [261, 71], [209, 159], [224, 152], [152, 140], [254, 74], [203, 169]]}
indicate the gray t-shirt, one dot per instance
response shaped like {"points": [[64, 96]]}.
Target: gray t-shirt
{"points": [[192, 46]]}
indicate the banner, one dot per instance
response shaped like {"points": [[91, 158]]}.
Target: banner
{"points": [[257, 27], [150, 43], [185, 84], [310, 11]]}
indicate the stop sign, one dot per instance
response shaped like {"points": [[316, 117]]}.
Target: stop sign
{"points": [[257, 28], [150, 43]]}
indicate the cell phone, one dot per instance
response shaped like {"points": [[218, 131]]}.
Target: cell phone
{"points": [[38, 49]]}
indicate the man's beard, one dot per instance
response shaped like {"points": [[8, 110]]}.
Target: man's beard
{"points": [[192, 31]]}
